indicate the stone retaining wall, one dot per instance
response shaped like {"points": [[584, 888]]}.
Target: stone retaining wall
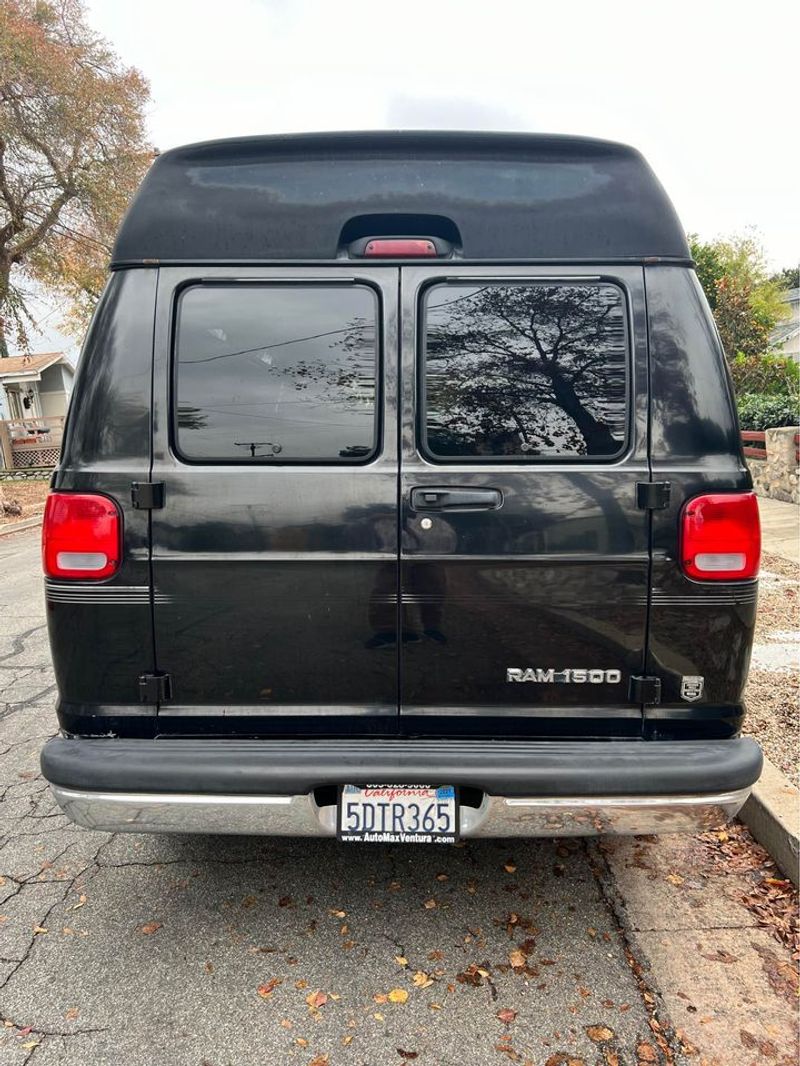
{"points": [[777, 475], [30, 473]]}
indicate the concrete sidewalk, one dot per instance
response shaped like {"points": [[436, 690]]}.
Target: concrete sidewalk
{"points": [[780, 528]]}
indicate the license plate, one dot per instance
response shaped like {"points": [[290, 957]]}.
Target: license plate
{"points": [[398, 814]]}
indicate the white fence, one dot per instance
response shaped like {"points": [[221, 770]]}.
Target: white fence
{"points": [[30, 442]]}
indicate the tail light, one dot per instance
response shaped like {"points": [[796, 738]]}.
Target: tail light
{"points": [[721, 537], [81, 536]]}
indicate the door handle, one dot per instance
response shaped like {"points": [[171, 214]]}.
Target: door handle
{"points": [[434, 498]]}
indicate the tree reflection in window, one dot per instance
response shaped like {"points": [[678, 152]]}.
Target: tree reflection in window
{"points": [[525, 370]]}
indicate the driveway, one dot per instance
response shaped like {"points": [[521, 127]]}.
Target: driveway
{"points": [[204, 951]]}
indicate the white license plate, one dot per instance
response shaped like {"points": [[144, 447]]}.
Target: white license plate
{"points": [[398, 814]]}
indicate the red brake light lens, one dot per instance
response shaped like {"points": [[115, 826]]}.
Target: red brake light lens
{"points": [[721, 537], [400, 247], [81, 536]]}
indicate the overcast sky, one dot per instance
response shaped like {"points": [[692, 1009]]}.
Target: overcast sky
{"points": [[707, 89]]}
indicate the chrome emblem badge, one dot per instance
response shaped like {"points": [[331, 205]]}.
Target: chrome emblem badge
{"points": [[691, 687]]}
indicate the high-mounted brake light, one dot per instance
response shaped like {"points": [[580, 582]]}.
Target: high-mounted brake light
{"points": [[400, 247], [81, 536], [721, 537]]}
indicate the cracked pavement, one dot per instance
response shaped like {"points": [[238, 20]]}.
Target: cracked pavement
{"points": [[205, 951]]}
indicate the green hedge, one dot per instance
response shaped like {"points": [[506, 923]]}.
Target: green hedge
{"points": [[762, 411], [766, 375]]}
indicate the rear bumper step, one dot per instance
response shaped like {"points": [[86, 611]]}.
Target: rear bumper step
{"points": [[529, 788]]}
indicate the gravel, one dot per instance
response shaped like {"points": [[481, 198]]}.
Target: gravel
{"points": [[773, 689]]}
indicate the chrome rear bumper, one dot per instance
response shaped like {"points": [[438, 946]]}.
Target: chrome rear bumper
{"points": [[497, 816]]}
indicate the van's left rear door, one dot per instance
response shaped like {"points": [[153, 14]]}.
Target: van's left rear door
{"points": [[275, 555]]}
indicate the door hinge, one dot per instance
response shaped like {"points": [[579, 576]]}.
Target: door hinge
{"points": [[646, 690], [147, 495], [155, 688], [652, 495]]}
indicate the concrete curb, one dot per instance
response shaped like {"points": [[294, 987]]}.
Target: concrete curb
{"points": [[17, 527], [772, 814]]}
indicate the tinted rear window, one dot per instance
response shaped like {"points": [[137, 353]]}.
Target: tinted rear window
{"points": [[276, 373], [524, 370]]}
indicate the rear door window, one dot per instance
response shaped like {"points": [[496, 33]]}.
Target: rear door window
{"points": [[276, 373], [527, 371]]}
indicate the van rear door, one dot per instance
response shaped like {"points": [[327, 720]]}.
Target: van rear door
{"points": [[524, 552], [274, 557]]}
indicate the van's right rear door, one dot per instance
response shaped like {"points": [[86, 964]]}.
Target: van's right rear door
{"points": [[525, 553]]}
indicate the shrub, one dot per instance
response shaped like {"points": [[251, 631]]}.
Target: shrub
{"points": [[760, 411], [767, 375]]}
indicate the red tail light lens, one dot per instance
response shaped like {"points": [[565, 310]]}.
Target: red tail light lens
{"points": [[721, 537], [81, 536], [400, 247]]}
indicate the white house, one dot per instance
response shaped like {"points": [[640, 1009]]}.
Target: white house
{"points": [[35, 386], [786, 335]]}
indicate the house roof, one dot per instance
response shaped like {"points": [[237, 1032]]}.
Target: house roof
{"points": [[17, 366]]}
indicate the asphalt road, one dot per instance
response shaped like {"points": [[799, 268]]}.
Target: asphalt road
{"points": [[209, 951]]}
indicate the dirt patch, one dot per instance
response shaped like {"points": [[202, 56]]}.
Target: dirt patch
{"points": [[30, 495]]}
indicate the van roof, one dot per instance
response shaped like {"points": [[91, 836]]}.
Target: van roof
{"points": [[497, 196]]}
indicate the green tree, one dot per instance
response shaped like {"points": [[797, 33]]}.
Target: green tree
{"points": [[788, 278], [746, 302], [72, 151]]}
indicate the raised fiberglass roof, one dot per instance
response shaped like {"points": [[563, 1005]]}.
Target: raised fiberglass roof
{"points": [[508, 196]]}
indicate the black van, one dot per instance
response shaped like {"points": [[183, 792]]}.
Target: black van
{"points": [[404, 458]]}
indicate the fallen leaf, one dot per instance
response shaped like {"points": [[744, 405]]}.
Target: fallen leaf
{"points": [[435, 956], [429, 904], [434, 1006], [599, 1034], [378, 1016], [422, 979], [299, 985], [380, 997], [336, 914], [509, 1051], [80, 903], [285, 1023], [317, 999], [347, 1040], [249, 901], [151, 927], [646, 1052], [517, 958], [39, 929], [398, 995], [675, 879], [442, 877], [507, 1015], [301, 1042], [720, 955], [509, 868], [266, 990], [401, 960], [72, 1014], [407, 1054], [319, 1060], [31, 1044], [285, 901]]}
